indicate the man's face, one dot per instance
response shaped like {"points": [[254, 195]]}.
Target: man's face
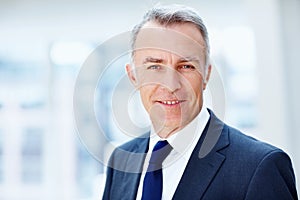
{"points": [[169, 71]]}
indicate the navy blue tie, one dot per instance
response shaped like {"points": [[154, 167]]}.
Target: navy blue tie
{"points": [[153, 181]]}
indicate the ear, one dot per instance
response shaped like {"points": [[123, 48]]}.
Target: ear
{"points": [[131, 74], [207, 76]]}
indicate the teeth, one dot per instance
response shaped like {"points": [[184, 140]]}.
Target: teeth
{"points": [[170, 102]]}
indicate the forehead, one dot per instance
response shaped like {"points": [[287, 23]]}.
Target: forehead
{"points": [[183, 40], [161, 56]]}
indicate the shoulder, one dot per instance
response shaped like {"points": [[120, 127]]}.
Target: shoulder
{"points": [[260, 170], [128, 155], [236, 143], [136, 145], [245, 142], [254, 152], [269, 168]]}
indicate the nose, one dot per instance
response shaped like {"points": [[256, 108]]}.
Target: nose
{"points": [[172, 80]]}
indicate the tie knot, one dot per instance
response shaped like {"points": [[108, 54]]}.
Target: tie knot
{"points": [[160, 144], [160, 151]]}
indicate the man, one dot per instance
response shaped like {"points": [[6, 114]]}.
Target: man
{"points": [[189, 153]]}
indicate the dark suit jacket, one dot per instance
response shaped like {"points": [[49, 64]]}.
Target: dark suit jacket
{"points": [[225, 164]]}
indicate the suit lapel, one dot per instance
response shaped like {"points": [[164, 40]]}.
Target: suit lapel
{"points": [[136, 156], [204, 162], [134, 165]]}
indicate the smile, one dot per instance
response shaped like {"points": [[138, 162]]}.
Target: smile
{"points": [[170, 102]]}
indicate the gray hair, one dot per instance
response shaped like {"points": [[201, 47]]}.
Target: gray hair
{"points": [[173, 14]]}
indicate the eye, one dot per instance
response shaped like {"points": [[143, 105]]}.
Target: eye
{"points": [[154, 67], [187, 67]]}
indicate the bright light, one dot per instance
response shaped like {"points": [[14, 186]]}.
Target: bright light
{"points": [[69, 53]]}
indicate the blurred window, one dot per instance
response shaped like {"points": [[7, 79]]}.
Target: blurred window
{"points": [[87, 169], [235, 55], [32, 155], [67, 58], [1, 157]]}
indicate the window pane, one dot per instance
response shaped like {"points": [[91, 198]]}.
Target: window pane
{"points": [[32, 153]]}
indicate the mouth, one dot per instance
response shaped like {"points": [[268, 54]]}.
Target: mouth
{"points": [[170, 102]]}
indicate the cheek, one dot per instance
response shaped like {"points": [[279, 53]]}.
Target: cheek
{"points": [[146, 93], [195, 84]]}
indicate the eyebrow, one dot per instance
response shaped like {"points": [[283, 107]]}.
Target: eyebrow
{"points": [[152, 60], [189, 59], [160, 60]]}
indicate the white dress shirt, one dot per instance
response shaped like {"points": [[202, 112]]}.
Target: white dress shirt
{"points": [[183, 143]]}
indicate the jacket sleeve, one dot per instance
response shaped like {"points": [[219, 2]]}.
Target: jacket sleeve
{"points": [[273, 179]]}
